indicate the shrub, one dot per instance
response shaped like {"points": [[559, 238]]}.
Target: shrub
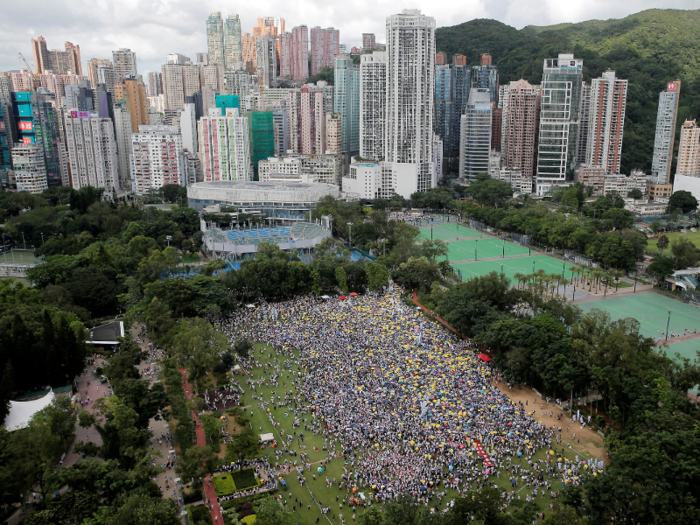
{"points": [[245, 513], [249, 519], [191, 496], [224, 485], [245, 479], [229, 504]]}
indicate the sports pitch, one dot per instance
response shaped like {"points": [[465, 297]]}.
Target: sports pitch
{"points": [[524, 265], [651, 310], [687, 349], [448, 231], [485, 248]]}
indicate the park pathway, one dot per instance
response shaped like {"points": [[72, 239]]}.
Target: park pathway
{"points": [[209, 491]]}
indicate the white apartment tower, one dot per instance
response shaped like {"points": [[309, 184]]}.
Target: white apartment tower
{"points": [[224, 146], [29, 167], [156, 158], [92, 152], [188, 128], [409, 139], [559, 121], [475, 134], [373, 87], [124, 61], [665, 132], [606, 122], [689, 150], [122, 133]]}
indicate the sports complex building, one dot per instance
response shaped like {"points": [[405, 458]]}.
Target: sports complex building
{"points": [[283, 201]]}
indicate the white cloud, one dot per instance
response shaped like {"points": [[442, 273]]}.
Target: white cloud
{"points": [[156, 28]]}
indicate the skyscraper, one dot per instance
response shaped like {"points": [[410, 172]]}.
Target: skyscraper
{"points": [[559, 120], [92, 66], [409, 138], [665, 132], [122, 134], [368, 42], [5, 162], [215, 38], [451, 95], [155, 83], [232, 43], [92, 152], [224, 146], [485, 76], [124, 61], [307, 116], [132, 94], [156, 158], [54, 60], [373, 86], [180, 82], [29, 167], [294, 53], [583, 123], [105, 75], [475, 134], [325, 47], [519, 128], [689, 150], [334, 133], [347, 103], [606, 121], [266, 58], [249, 53]]}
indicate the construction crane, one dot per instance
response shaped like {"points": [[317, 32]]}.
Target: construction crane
{"points": [[29, 68]]}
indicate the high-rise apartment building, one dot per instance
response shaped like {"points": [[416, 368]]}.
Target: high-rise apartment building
{"points": [[125, 66], [519, 128], [212, 76], [202, 59], [369, 42], [155, 83], [22, 81], [266, 59], [232, 43], [177, 58], [79, 96], [180, 82], [261, 131], [307, 118], [347, 102], [249, 53], [156, 158], [56, 83], [238, 83], [29, 167], [106, 76], [122, 134], [132, 94], [92, 66], [409, 139], [92, 152], [373, 86], [334, 133], [665, 132], [5, 158], [689, 150], [215, 38], [606, 121], [559, 120], [451, 96], [224, 146], [294, 53], [485, 76], [188, 128], [280, 127], [475, 130], [583, 123], [58, 62], [325, 47], [269, 26]]}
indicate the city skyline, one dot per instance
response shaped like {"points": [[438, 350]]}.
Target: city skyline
{"points": [[109, 30]]}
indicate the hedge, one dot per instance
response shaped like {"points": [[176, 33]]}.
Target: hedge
{"points": [[224, 485]]}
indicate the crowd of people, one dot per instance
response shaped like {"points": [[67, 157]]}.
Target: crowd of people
{"points": [[411, 408]]}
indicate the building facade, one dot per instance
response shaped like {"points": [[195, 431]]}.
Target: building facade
{"points": [[485, 76], [215, 38], [308, 107], [519, 129], [325, 47], [373, 86], [132, 94], [369, 42], [606, 122], [224, 146], [347, 103], [29, 167], [92, 152], [59, 62], [156, 158], [125, 66], [232, 43], [155, 83], [334, 133], [689, 150], [266, 60], [665, 135], [475, 140], [92, 66]]}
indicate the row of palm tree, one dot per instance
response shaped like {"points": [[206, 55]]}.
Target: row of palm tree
{"points": [[540, 283], [594, 278]]}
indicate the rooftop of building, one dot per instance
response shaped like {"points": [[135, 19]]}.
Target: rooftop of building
{"points": [[263, 186]]}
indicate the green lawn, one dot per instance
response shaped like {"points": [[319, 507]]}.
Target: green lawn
{"points": [[245, 479], [224, 485], [334, 467], [693, 237]]}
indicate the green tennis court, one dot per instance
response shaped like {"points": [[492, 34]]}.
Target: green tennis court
{"points": [[651, 310], [448, 231], [524, 265], [482, 249], [687, 349]]}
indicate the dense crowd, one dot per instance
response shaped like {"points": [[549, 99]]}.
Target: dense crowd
{"points": [[409, 407]]}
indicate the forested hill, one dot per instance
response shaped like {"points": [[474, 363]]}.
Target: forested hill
{"points": [[648, 48]]}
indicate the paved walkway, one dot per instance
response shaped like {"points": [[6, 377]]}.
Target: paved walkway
{"points": [[209, 491], [415, 300]]}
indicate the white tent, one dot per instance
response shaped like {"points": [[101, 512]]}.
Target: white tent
{"points": [[266, 437], [22, 411]]}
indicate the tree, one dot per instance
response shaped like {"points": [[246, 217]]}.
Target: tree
{"points": [[418, 273], [662, 243], [198, 345], [7, 386], [61, 417], [270, 512], [486, 190], [140, 509], [682, 201], [243, 347], [493, 288], [241, 446], [196, 463], [170, 192], [685, 253], [660, 267], [147, 401], [433, 250], [635, 194], [377, 276]]}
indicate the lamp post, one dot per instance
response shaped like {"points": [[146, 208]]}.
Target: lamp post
{"points": [[42, 238], [476, 245], [668, 323], [168, 238], [350, 230]]}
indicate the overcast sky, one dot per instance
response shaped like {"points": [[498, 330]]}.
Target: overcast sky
{"points": [[157, 27]]}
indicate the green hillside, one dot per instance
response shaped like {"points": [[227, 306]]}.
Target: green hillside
{"points": [[649, 49]]}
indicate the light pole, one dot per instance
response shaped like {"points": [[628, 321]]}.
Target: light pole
{"points": [[668, 323], [168, 238], [476, 245], [42, 238], [350, 230]]}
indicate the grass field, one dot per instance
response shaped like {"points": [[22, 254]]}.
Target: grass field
{"points": [[333, 468], [447, 232], [482, 249], [693, 237], [651, 310], [523, 265]]}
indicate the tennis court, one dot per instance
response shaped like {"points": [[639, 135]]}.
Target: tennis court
{"points": [[651, 310], [448, 231], [687, 349], [524, 265], [482, 249]]}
